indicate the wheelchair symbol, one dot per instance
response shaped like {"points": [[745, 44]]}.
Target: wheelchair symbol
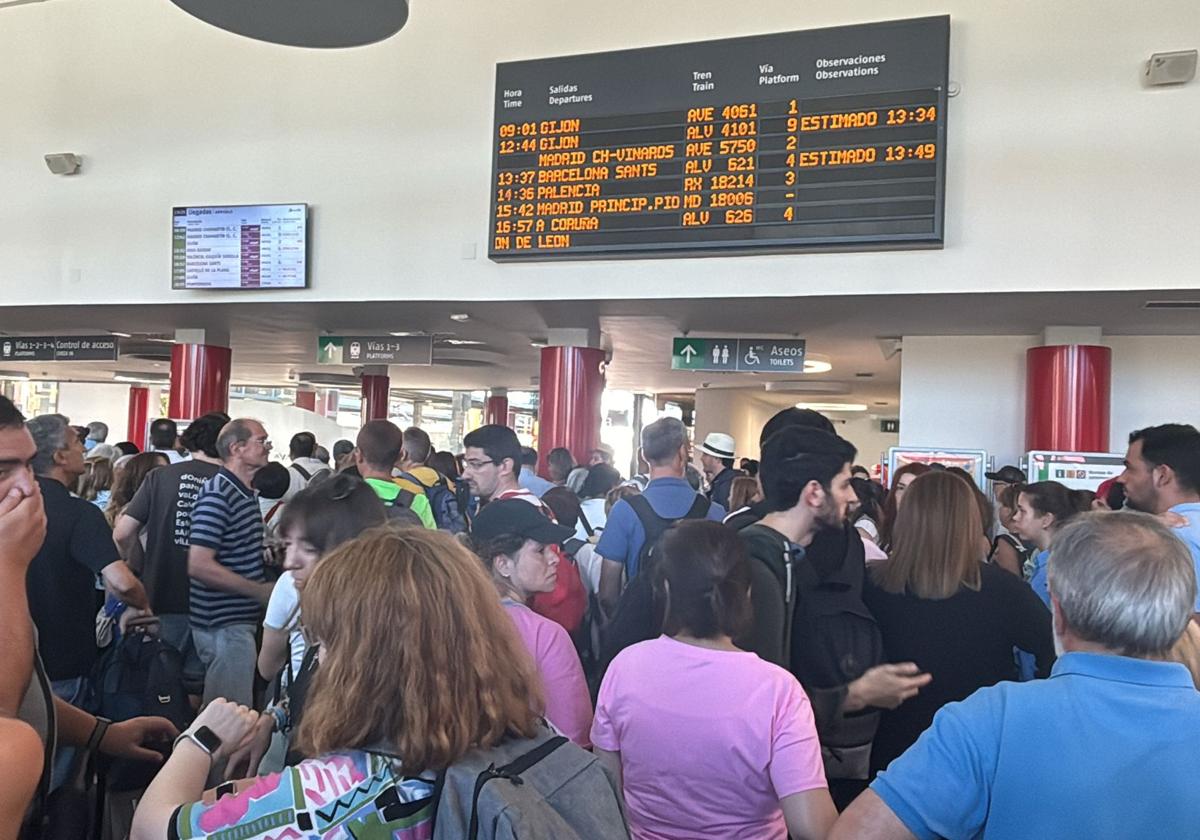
{"points": [[751, 357]]}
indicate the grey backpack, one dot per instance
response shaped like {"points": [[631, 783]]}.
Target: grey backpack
{"points": [[540, 788]]}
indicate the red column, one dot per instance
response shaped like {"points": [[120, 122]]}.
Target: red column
{"points": [[331, 403], [374, 396], [572, 383], [306, 399], [199, 380], [1067, 398], [139, 415], [496, 411]]}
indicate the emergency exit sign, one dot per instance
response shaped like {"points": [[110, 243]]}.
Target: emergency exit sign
{"points": [[738, 355]]}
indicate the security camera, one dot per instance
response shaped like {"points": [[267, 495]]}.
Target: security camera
{"points": [[64, 163]]}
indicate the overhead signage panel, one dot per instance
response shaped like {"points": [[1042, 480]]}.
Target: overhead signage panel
{"points": [[59, 348], [812, 140], [739, 355], [375, 350]]}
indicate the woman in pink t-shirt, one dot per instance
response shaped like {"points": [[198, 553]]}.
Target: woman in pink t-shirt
{"points": [[708, 740], [516, 542]]}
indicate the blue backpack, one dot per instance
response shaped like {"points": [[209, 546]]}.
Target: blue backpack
{"points": [[443, 503]]}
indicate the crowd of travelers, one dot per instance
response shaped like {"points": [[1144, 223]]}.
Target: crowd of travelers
{"points": [[381, 640]]}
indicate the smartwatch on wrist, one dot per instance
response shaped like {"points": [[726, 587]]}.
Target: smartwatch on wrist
{"points": [[202, 737], [98, 732]]}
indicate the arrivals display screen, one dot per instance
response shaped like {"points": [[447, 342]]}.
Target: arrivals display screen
{"points": [[251, 246], [820, 139]]}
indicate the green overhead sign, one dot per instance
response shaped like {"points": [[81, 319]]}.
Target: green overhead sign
{"points": [[739, 355]]}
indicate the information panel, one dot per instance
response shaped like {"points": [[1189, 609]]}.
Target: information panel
{"points": [[821, 139], [254, 246]]}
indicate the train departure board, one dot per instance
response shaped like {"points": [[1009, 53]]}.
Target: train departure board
{"points": [[827, 139]]}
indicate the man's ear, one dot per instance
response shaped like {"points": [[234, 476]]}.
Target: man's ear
{"points": [[1163, 475], [813, 494], [1056, 615]]}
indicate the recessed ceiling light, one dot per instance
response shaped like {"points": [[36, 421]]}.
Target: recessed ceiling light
{"points": [[817, 366], [460, 317], [829, 406], [14, 374], [120, 334], [539, 343], [405, 334], [460, 342]]}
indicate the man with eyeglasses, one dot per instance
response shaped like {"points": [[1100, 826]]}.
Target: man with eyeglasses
{"points": [[491, 464], [225, 563]]}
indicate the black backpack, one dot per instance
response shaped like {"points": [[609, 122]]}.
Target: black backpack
{"points": [[140, 675], [319, 475], [831, 638], [399, 510], [639, 615]]}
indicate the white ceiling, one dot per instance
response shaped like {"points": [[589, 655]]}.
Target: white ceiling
{"points": [[274, 341]]}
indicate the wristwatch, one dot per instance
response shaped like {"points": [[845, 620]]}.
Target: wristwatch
{"points": [[202, 737]]}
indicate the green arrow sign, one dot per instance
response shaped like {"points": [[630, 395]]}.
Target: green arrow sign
{"points": [[760, 355], [329, 350]]}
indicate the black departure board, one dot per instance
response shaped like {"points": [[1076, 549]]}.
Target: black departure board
{"points": [[827, 139]]}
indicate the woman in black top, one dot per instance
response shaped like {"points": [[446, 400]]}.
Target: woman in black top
{"points": [[939, 606]]}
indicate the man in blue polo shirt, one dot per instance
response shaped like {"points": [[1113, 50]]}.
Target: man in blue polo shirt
{"points": [[1162, 476], [665, 449], [1104, 748], [225, 563]]}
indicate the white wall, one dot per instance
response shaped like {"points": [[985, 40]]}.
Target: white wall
{"points": [[743, 413], [283, 421], [1156, 379], [1063, 173], [864, 433], [735, 412], [969, 391], [84, 402]]}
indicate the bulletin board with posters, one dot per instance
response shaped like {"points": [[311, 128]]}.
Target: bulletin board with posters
{"points": [[1077, 470], [974, 461]]}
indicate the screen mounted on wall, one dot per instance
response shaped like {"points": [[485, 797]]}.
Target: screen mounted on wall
{"points": [[819, 139], [248, 246]]}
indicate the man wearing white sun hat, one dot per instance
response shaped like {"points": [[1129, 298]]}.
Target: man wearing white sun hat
{"points": [[716, 457]]}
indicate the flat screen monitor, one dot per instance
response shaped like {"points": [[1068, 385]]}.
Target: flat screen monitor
{"points": [[812, 140], [245, 246]]}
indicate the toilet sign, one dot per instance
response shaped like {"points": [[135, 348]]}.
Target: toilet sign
{"points": [[739, 355]]}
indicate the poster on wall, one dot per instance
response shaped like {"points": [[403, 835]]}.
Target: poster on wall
{"points": [[974, 461], [1077, 470]]}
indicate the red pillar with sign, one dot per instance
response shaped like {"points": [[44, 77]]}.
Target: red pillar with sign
{"points": [[306, 398], [199, 380], [1067, 398], [138, 416], [572, 384], [495, 411], [375, 390]]}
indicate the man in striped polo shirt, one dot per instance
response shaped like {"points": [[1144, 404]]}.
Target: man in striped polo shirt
{"points": [[225, 563]]}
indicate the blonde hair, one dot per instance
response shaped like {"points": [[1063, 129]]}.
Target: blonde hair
{"points": [[935, 540], [418, 653]]}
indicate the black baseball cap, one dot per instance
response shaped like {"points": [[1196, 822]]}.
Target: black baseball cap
{"points": [[521, 519], [1007, 475]]}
